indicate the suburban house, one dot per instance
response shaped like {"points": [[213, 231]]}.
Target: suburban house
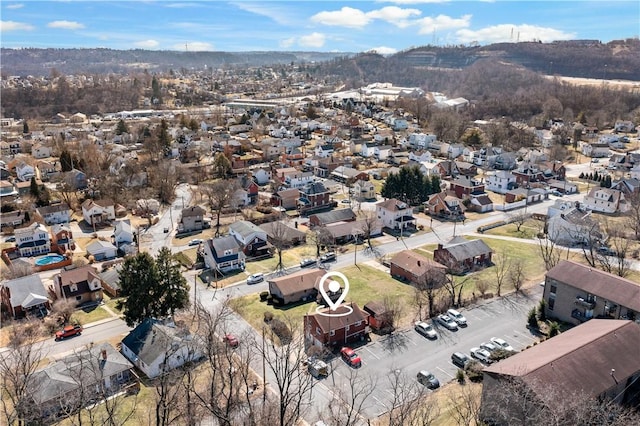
{"points": [[24, 172], [223, 254], [575, 293], [322, 330], [333, 216], [324, 150], [12, 219], [595, 149], [33, 240], [480, 202], [460, 255], [284, 233], [123, 232], [347, 232], [529, 196], [444, 206], [25, 296], [562, 186], [501, 182], [298, 180], [191, 219], [605, 200], [627, 186], [55, 213], [286, 198], [262, 176], [395, 214], [77, 178], [344, 174], [96, 373], [313, 197], [110, 279], [101, 250], [62, 239], [569, 225], [296, 287], [363, 190], [409, 266], [156, 348], [82, 285], [596, 360], [96, 212], [464, 186], [251, 237]]}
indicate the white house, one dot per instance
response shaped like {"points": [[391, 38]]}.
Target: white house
{"points": [[298, 180], [624, 126], [102, 250], [98, 211], [25, 172], [363, 190], [156, 348], [382, 152], [501, 182], [123, 232], [420, 156], [324, 150], [395, 214], [595, 150], [368, 149], [55, 213], [223, 254], [421, 140], [570, 225], [33, 240], [40, 151], [604, 200], [261, 176]]}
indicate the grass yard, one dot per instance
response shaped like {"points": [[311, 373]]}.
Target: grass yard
{"points": [[529, 230], [95, 314], [365, 284]]}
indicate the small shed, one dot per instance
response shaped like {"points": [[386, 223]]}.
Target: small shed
{"points": [[379, 318]]}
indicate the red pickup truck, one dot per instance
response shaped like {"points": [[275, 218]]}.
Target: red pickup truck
{"points": [[69, 331]]}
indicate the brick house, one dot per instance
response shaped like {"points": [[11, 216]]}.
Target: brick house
{"points": [[287, 198], [296, 287], [416, 269], [460, 255], [313, 197], [575, 293], [464, 186], [62, 238], [323, 330], [82, 285]]}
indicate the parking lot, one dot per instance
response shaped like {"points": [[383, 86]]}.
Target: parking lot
{"points": [[410, 352]]}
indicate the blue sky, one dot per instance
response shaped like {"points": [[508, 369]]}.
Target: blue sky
{"points": [[356, 26]]}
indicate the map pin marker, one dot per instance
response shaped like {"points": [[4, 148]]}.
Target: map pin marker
{"points": [[334, 286]]}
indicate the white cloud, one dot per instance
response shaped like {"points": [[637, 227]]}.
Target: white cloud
{"points": [[288, 42], [279, 14], [15, 6], [345, 17], [509, 32], [442, 22], [146, 44], [312, 40], [6, 26], [416, 1], [383, 50], [66, 25], [194, 46], [394, 15]]}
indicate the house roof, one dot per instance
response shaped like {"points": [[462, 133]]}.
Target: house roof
{"points": [[327, 323], [599, 283], [112, 276], [193, 211], [123, 226], [53, 208], [79, 276], [313, 188], [393, 204], [302, 280], [98, 245], [375, 308], [289, 193], [579, 360], [245, 228], [462, 249], [221, 244], [26, 291], [333, 216], [416, 264], [288, 232]]}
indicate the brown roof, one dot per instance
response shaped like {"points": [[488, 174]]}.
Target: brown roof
{"points": [[375, 308], [599, 283], [301, 280], [328, 323], [193, 211], [393, 204], [579, 360], [77, 275], [415, 263]]}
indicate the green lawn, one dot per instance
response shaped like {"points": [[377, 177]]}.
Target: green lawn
{"points": [[93, 315], [529, 230]]}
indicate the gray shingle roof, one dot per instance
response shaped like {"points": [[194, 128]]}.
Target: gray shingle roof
{"points": [[26, 291], [462, 249]]}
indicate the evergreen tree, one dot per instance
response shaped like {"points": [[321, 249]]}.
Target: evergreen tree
{"points": [[155, 88], [410, 185], [66, 163], [581, 175], [175, 291], [164, 140], [221, 165], [34, 189], [25, 127], [121, 127]]}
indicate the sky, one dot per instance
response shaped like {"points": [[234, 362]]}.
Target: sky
{"points": [[386, 26]]}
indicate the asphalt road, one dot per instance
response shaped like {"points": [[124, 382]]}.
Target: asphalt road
{"points": [[96, 333]]}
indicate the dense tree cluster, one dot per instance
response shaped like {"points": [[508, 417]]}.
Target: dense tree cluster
{"points": [[411, 186]]}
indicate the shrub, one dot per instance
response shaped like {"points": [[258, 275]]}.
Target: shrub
{"points": [[542, 316], [554, 329], [264, 295], [474, 371], [269, 300], [532, 318], [281, 330], [268, 316], [460, 376]]}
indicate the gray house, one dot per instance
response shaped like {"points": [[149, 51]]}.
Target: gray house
{"points": [[223, 254], [191, 219], [25, 296]]}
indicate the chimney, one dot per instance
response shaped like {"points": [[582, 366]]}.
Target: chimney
{"points": [[419, 263], [104, 354]]}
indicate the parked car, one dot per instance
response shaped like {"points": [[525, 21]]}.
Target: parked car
{"points": [[166, 230], [459, 359], [318, 368], [489, 346], [428, 379], [231, 340], [481, 355], [457, 317], [10, 240], [307, 262], [595, 160], [345, 201], [328, 256], [350, 357], [68, 331], [426, 330], [556, 193], [255, 278], [502, 344], [195, 242], [447, 322]]}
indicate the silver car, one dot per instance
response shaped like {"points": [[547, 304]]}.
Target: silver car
{"points": [[447, 322], [426, 330]]}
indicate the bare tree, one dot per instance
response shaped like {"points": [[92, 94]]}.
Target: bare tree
{"points": [[465, 403], [163, 178], [549, 252], [346, 405], [321, 238], [63, 309], [427, 287], [409, 405], [633, 212], [278, 238], [219, 195], [370, 224], [500, 270], [618, 263], [518, 218], [517, 275], [393, 311], [482, 286]]}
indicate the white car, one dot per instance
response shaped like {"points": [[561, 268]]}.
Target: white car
{"points": [[195, 242], [457, 317], [447, 322], [255, 278], [489, 346], [426, 330], [481, 355], [502, 344]]}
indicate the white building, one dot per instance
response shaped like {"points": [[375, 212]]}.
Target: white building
{"points": [[33, 240], [501, 182]]}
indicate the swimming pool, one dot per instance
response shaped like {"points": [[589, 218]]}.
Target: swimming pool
{"points": [[49, 259]]}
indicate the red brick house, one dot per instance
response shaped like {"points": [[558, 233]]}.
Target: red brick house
{"points": [[464, 186], [313, 197], [411, 267], [320, 329], [62, 239], [460, 255]]}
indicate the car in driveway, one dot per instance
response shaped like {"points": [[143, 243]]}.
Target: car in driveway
{"points": [[195, 242], [427, 378], [447, 322], [457, 317], [307, 262], [255, 278], [68, 331], [10, 240], [350, 357], [459, 359], [426, 330], [231, 340], [481, 355], [502, 344]]}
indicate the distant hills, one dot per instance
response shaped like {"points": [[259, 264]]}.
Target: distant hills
{"points": [[618, 59]]}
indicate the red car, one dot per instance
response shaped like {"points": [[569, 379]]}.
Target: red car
{"points": [[231, 340], [69, 331], [350, 357]]}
